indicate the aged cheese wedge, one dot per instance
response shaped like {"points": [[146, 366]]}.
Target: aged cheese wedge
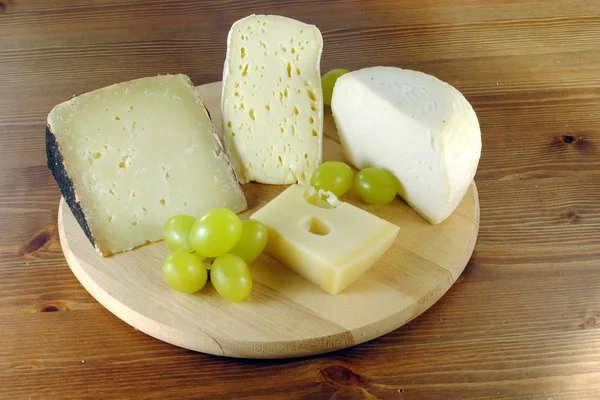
{"points": [[421, 129], [129, 156], [326, 241], [272, 103]]}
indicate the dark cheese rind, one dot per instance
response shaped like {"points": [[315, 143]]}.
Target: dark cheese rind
{"points": [[65, 183]]}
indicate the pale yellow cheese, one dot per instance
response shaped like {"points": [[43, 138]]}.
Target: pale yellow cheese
{"points": [[137, 153], [272, 103], [331, 246]]}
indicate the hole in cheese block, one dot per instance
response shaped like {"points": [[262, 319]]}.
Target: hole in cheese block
{"points": [[317, 227]]}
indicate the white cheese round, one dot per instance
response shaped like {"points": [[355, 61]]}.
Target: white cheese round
{"points": [[418, 127]]}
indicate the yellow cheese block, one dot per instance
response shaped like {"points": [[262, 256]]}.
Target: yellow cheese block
{"points": [[332, 244]]}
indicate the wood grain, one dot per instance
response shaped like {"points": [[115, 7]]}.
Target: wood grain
{"points": [[520, 323]]}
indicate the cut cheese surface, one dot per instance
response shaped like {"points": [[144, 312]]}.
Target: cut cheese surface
{"points": [[129, 156], [272, 103], [332, 245], [418, 127]]}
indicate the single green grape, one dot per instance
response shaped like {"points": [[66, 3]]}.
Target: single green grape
{"points": [[328, 82], [333, 176], [375, 185], [231, 277], [215, 232], [252, 242], [184, 272], [176, 232]]}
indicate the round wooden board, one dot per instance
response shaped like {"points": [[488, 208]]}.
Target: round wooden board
{"points": [[285, 316]]}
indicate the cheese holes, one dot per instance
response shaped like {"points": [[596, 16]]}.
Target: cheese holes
{"points": [[243, 52], [317, 226], [245, 70], [314, 133], [162, 202], [296, 111], [311, 94], [109, 218], [313, 107], [117, 118], [268, 107], [288, 68], [229, 124], [298, 71], [311, 120]]}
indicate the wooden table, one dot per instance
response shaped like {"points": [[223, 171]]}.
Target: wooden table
{"points": [[520, 323]]}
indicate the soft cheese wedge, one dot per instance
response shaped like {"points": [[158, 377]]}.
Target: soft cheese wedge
{"points": [[418, 127], [272, 103], [328, 242], [129, 156]]}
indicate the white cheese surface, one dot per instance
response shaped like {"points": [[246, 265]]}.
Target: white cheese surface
{"points": [[140, 152], [418, 127], [272, 103]]}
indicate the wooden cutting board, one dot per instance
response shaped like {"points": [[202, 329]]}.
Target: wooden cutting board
{"points": [[285, 316]]}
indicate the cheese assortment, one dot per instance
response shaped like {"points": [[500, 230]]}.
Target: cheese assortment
{"points": [[419, 128], [140, 161], [330, 246], [272, 103], [129, 156]]}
